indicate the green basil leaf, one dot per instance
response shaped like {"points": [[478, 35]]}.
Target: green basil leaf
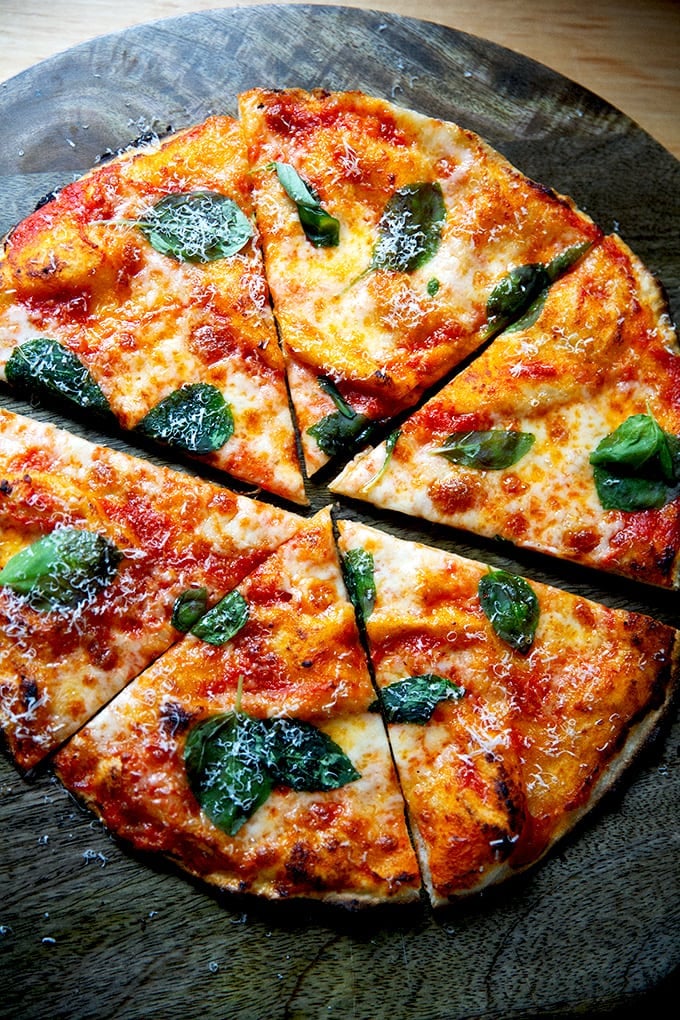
{"points": [[637, 467], [336, 434], [566, 259], [433, 286], [390, 444], [221, 623], [225, 757], [334, 393], [293, 185], [633, 443], [195, 418], [511, 606], [189, 607], [233, 761], [414, 699], [340, 431], [359, 571], [488, 450], [410, 228], [46, 369], [63, 569], [630, 493], [321, 229], [530, 316], [198, 226], [514, 294], [303, 757]]}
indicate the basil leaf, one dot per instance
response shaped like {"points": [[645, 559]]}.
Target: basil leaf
{"points": [[410, 228], [342, 429], [530, 316], [195, 418], [189, 607], [233, 761], [321, 229], [198, 226], [622, 492], [359, 571], [336, 396], [514, 294], [63, 569], [414, 699], [293, 185], [489, 450], [637, 467], [433, 286], [303, 757], [45, 368], [566, 259], [517, 299], [633, 443], [223, 621], [511, 606], [390, 444], [336, 433], [226, 763]]}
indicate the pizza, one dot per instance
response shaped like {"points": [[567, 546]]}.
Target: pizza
{"points": [[138, 295], [563, 436], [254, 753], [511, 706], [389, 240], [301, 706], [100, 555], [248, 753]]}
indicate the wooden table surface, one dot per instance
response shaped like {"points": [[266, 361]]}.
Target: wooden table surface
{"points": [[90, 929], [623, 50]]}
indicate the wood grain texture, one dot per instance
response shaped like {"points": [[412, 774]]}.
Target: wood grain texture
{"points": [[90, 929], [623, 50]]}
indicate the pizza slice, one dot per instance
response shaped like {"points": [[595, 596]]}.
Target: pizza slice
{"points": [[562, 437], [395, 244], [248, 754], [138, 294], [511, 706], [102, 558]]}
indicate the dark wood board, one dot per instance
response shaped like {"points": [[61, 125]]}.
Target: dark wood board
{"points": [[90, 929]]}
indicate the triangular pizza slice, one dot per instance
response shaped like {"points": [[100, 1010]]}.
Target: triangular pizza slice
{"points": [[395, 244], [562, 437], [138, 293], [248, 754], [511, 706], [102, 555]]}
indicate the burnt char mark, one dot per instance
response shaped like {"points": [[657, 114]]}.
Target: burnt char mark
{"points": [[174, 718], [46, 199], [6, 487], [300, 867], [505, 841], [29, 693], [146, 138], [665, 560]]}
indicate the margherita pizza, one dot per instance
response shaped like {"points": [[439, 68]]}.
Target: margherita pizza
{"points": [[563, 436], [100, 554], [511, 706], [394, 245], [138, 294], [191, 656], [248, 752]]}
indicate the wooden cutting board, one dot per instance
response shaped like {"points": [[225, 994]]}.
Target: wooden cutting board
{"points": [[90, 929]]}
